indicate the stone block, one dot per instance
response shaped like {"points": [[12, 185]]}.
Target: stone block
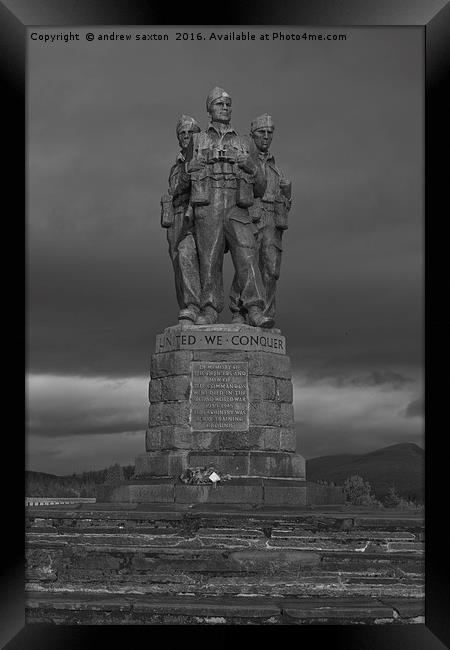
{"points": [[176, 438], [298, 466], [269, 464], [164, 437], [324, 494], [167, 413], [286, 416], [264, 413], [264, 363], [155, 492], [224, 492], [336, 612], [271, 438], [154, 390], [278, 560], [236, 440], [289, 494], [284, 390], [256, 438], [184, 438], [174, 388], [279, 464], [207, 440], [233, 463], [261, 388], [288, 440], [167, 364], [153, 439], [161, 463]]}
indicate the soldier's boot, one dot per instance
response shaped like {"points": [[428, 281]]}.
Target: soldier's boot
{"points": [[189, 313], [208, 316], [257, 318], [238, 318]]}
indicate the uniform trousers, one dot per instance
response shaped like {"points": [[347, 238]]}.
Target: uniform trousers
{"points": [[183, 253], [220, 225]]}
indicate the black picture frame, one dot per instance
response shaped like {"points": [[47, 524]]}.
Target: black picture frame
{"points": [[434, 17]]}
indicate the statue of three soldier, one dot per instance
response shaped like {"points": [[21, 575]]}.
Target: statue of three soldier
{"points": [[226, 194]]}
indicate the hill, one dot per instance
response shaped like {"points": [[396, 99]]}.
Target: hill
{"points": [[400, 465], [40, 484]]}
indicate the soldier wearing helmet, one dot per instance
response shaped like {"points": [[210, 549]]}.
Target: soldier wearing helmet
{"points": [[225, 179], [270, 214], [175, 217]]}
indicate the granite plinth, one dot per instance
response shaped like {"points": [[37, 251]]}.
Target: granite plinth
{"points": [[219, 389], [220, 396]]}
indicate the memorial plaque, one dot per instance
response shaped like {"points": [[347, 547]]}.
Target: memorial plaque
{"points": [[219, 396]]}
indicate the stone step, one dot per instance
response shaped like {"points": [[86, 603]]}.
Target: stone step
{"points": [[330, 585], [62, 560], [103, 608], [114, 558], [312, 530], [210, 516], [229, 538]]}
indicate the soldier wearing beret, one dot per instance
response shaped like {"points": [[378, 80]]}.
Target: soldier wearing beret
{"points": [[225, 179], [175, 217], [270, 214]]}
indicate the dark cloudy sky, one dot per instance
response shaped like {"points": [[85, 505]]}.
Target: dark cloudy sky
{"points": [[101, 140]]}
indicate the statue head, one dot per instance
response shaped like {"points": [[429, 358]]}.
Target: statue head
{"points": [[261, 130], [218, 105], [186, 126]]}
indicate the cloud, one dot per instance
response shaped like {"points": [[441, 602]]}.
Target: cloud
{"points": [[416, 408], [60, 407], [383, 378], [74, 454], [348, 416]]}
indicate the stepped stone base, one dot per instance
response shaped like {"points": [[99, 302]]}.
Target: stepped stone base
{"points": [[182, 564], [246, 491]]}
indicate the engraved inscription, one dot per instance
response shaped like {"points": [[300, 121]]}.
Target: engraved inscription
{"points": [[176, 339], [219, 396]]}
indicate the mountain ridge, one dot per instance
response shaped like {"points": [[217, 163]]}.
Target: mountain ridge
{"points": [[400, 465]]}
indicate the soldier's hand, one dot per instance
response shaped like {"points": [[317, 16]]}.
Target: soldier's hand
{"points": [[246, 163], [285, 187], [196, 164]]}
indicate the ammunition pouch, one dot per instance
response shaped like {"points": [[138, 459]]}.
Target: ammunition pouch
{"points": [[280, 214], [244, 191], [167, 215], [180, 199], [268, 198], [200, 187]]}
